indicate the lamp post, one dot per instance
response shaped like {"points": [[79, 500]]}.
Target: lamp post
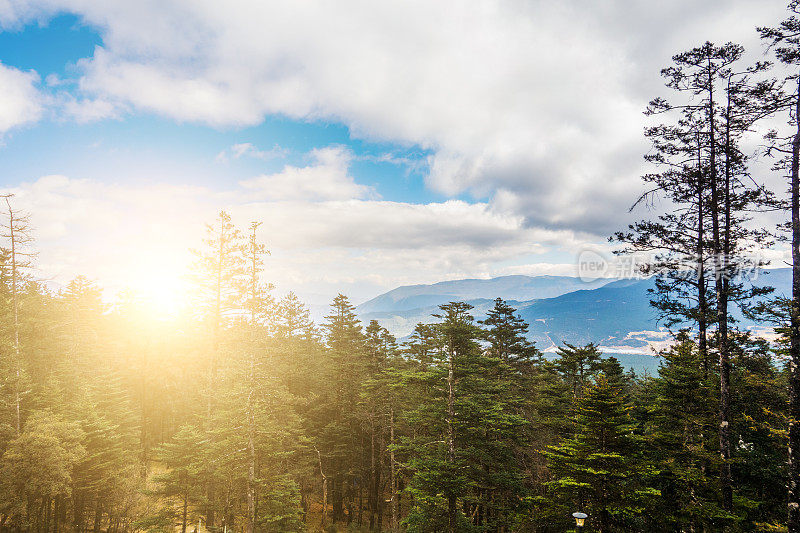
{"points": [[580, 519]]}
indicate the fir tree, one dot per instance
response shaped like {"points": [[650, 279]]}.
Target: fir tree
{"points": [[467, 428], [183, 456], [683, 422], [784, 41], [505, 332], [340, 435], [577, 365], [601, 469]]}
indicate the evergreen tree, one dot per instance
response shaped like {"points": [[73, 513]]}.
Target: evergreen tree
{"points": [[784, 41], [293, 318], [759, 420], [339, 435], [183, 456], [704, 175], [577, 365], [219, 276], [683, 422], [17, 232], [602, 469], [467, 429], [376, 403], [36, 470], [505, 332]]}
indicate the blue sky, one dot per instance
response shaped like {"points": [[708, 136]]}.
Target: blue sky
{"points": [[381, 144], [141, 144]]}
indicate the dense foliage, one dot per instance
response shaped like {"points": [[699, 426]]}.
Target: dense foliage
{"points": [[242, 414], [466, 425]]}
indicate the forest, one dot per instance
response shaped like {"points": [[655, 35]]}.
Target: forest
{"points": [[243, 415]]}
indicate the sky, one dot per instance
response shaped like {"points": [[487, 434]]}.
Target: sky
{"points": [[380, 143]]}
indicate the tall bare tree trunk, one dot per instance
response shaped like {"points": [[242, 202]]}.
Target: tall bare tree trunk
{"points": [[393, 474], [251, 470], [451, 436], [374, 487], [13, 238], [379, 478], [702, 304], [253, 258], [324, 490], [722, 307], [793, 521], [185, 512], [723, 288]]}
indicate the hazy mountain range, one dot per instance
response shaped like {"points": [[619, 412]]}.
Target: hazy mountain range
{"points": [[614, 314]]}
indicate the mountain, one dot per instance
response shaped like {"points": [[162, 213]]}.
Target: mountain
{"points": [[606, 314], [519, 288], [613, 314]]}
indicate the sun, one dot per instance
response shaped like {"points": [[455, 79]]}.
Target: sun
{"points": [[164, 298], [160, 292]]}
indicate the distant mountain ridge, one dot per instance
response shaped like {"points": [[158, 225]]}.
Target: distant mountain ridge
{"points": [[615, 314], [517, 287]]}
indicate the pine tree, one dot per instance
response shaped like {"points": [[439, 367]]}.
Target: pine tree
{"points": [[293, 318], [102, 477], [219, 276], [577, 365], [259, 305], [467, 428], [36, 469], [784, 40], [759, 420], [257, 299], [505, 332], [183, 456], [339, 435], [517, 369], [376, 403], [18, 233], [682, 422], [704, 175], [601, 469]]}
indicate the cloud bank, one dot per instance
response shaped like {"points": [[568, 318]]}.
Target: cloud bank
{"points": [[531, 112], [534, 107], [342, 234]]}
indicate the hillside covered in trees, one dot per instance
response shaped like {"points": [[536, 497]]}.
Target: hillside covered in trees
{"points": [[243, 415], [250, 416]]}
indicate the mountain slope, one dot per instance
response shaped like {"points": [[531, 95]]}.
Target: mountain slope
{"points": [[616, 315], [608, 315], [520, 288]]}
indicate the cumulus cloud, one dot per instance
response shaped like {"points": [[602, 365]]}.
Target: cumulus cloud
{"points": [[21, 102], [111, 232], [533, 106], [85, 110], [327, 178]]}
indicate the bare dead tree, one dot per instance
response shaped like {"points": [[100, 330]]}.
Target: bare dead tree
{"points": [[17, 231]]}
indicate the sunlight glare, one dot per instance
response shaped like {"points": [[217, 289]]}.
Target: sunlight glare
{"points": [[162, 292]]}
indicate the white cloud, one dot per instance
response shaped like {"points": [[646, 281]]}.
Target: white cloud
{"points": [[85, 110], [326, 178], [128, 233], [249, 150], [21, 102], [533, 105]]}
